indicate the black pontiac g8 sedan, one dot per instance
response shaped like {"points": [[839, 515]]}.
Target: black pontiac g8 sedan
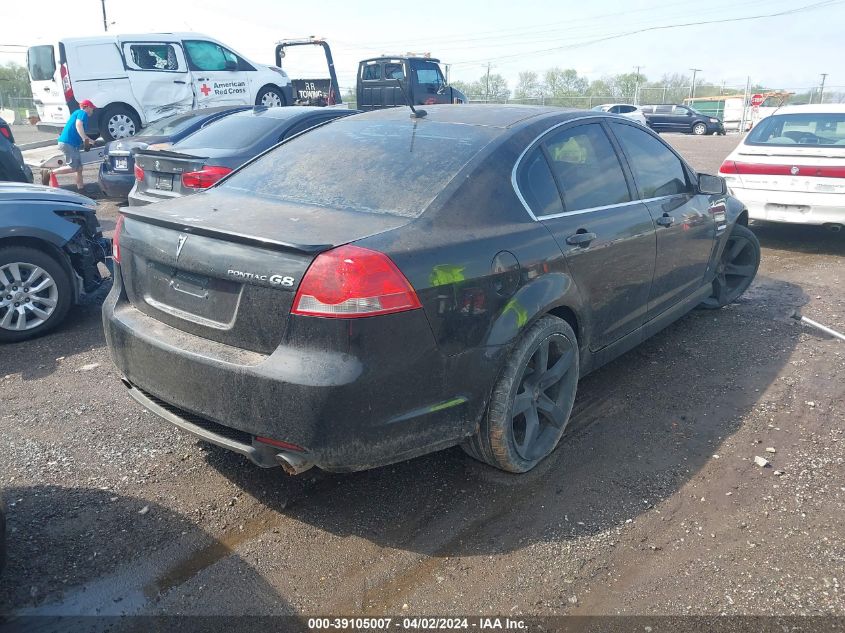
{"points": [[390, 285]]}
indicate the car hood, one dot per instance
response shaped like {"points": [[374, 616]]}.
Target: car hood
{"points": [[12, 191]]}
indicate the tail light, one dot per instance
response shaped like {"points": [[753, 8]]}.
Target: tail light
{"points": [[205, 177], [115, 243], [66, 86], [351, 282], [728, 167], [279, 444], [139, 173], [5, 131]]}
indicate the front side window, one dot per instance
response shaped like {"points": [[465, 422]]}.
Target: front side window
{"points": [[657, 171], [41, 62], [587, 168], [372, 72], [537, 185], [209, 56], [818, 128], [153, 56]]}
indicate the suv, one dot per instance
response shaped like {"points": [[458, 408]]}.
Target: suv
{"points": [[680, 118]]}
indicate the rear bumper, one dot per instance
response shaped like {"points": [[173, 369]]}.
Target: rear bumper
{"points": [[792, 207], [115, 184], [141, 198], [364, 407]]}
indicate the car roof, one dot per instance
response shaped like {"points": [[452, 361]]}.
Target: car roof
{"points": [[136, 37], [815, 108], [291, 112], [488, 115]]}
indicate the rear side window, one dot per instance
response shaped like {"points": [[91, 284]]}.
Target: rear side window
{"points": [[393, 71], [372, 72], [657, 171], [41, 62], [370, 166], [587, 168], [232, 132], [663, 109], [537, 185], [820, 129], [625, 109], [153, 56], [172, 124], [208, 55]]}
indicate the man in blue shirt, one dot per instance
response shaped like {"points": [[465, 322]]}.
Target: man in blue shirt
{"points": [[71, 140]]}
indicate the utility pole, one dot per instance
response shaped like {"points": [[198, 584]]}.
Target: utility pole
{"points": [[692, 87], [105, 21], [637, 86], [487, 97], [744, 106], [821, 88]]}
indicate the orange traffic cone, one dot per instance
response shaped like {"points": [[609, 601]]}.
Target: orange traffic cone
{"points": [[54, 182]]}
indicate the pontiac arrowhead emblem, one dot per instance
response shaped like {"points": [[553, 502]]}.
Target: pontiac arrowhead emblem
{"points": [[182, 239], [794, 171]]}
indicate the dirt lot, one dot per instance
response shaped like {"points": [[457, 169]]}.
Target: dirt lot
{"points": [[651, 505]]}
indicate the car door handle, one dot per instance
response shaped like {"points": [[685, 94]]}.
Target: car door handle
{"points": [[46, 88], [581, 239], [202, 78], [178, 81], [666, 220]]}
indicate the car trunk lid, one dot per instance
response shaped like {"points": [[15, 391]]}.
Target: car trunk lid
{"points": [[163, 172], [787, 168], [226, 267]]}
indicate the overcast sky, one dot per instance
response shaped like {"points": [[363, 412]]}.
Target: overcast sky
{"points": [[596, 38]]}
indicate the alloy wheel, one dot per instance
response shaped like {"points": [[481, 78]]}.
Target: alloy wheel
{"points": [[28, 296], [540, 408], [736, 269]]}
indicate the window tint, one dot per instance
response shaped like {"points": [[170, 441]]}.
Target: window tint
{"points": [[208, 55], [41, 62], [537, 185], [399, 166], [172, 124], [657, 171], [663, 109], [393, 71], [805, 129], [625, 109], [587, 168], [372, 72], [232, 132], [150, 56]]}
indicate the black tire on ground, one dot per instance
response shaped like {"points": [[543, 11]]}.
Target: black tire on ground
{"points": [[534, 385], [270, 96], [63, 300], [699, 129], [118, 121], [736, 269]]}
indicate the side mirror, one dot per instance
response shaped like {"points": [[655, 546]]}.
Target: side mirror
{"points": [[689, 113], [712, 185], [230, 65]]}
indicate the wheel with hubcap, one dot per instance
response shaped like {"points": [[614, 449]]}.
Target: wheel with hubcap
{"points": [[118, 122], [699, 129], [270, 97], [35, 293], [531, 401], [736, 269]]}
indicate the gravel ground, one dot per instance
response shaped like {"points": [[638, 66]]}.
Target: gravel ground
{"points": [[653, 504]]}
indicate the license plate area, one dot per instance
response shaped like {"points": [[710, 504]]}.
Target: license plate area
{"points": [[164, 182], [121, 164]]}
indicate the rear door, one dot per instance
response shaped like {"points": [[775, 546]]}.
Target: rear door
{"points": [[575, 184], [159, 78], [46, 84], [685, 228], [662, 120], [219, 76]]}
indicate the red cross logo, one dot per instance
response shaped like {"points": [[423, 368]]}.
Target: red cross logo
{"points": [[205, 90]]}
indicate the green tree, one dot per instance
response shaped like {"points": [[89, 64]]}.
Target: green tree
{"points": [[14, 85], [528, 86]]}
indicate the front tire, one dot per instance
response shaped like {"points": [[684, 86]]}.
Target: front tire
{"points": [[699, 129], [531, 401], [737, 268], [270, 97], [35, 293], [118, 121]]}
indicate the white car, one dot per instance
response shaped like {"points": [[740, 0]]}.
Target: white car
{"points": [[791, 166], [134, 80], [625, 109]]}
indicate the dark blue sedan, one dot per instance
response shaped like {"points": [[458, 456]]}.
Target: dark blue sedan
{"points": [[117, 169]]}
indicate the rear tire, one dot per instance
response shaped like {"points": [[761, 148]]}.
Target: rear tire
{"points": [[270, 97], [40, 310], [531, 401], [119, 121]]}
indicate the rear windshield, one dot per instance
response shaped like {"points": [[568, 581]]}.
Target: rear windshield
{"points": [[819, 129], [41, 62], [233, 132], [392, 167], [172, 124]]}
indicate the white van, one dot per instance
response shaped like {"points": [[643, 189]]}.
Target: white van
{"points": [[136, 79]]}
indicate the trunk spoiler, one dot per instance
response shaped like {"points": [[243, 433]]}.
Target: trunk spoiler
{"points": [[240, 238], [163, 153]]}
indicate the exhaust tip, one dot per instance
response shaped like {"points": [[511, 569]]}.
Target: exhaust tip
{"points": [[294, 463], [126, 383]]}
